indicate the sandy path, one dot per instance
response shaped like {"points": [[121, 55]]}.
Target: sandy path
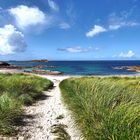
{"points": [[45, 114]]}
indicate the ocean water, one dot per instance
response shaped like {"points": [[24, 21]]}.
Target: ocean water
{"points": [[84, 67]]}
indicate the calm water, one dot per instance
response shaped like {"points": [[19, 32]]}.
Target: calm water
{"points": [[84, 67]]}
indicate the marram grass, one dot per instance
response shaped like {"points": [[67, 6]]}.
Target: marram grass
{"points": [[15, 91], [104, 108]]}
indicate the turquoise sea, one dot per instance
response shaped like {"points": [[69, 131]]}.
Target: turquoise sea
{"points": [[84, 67]]}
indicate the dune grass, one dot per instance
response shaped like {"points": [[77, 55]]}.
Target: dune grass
{"points": [[60, 132], [104, 108], [17, 90]]}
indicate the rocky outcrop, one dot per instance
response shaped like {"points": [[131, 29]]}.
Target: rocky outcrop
{"points": [[134, 68], [39, 66], [36, 69], [44, 72], [4, 64], [129, 68], [55, 73], [43, 66], [8, 66]]}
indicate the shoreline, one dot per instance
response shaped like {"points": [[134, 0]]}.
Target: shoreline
{"points": [[18, 71], [47, 111]]}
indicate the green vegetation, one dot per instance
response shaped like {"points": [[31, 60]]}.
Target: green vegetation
{"points": [[104, 108], [60, 132], [15, 91]]}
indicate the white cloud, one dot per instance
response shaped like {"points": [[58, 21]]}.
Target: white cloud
{"points": [[64, 25], [116, 22], [122, 24], [53, 5], [95, 30], [115, 25], [11, 40], [129, 54], [77, 49], [27, 16]]}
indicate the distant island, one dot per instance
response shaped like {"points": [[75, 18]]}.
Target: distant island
{"points": [[36, 60], [41, 60]]}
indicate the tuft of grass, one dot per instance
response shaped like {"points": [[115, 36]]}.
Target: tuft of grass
{"points": [[104, 108], [10, 109], [17, 90], [60, 132]]}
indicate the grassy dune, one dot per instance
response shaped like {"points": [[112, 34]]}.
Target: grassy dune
{"points": [[104, 108], [15, 91]]}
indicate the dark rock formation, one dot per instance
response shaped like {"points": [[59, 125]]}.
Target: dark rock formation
{"points": [[9, 66], [4, 64], [44, 72]]}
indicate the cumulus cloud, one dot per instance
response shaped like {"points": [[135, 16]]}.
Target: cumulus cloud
{"points": [[95, 30], [11, 40], [129, 54], [53, 5], [64, 25], [27, 16], [77, 49]]}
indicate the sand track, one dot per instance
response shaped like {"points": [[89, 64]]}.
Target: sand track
{"points": [[44, 114]]}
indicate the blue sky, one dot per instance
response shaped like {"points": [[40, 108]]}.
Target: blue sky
{"points": [[69, 29]]}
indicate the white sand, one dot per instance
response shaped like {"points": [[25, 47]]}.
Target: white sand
{"points": [[10, 71], [45, 113]]}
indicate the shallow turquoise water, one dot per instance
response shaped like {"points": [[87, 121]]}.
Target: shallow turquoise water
{"points": [[84, 67]]}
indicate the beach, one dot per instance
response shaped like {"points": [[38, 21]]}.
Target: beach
{"points": [[69, 70], [50, 112]]}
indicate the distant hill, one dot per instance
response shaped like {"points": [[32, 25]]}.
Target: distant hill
{"points": [[41, 60], [37, 60]]}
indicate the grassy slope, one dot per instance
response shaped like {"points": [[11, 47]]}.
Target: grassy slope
{"points": [[15, 91], [104, 108]]}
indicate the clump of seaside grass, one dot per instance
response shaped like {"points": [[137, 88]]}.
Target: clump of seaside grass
{"points": [[104, 108], [17, 90], [60, 132]]}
